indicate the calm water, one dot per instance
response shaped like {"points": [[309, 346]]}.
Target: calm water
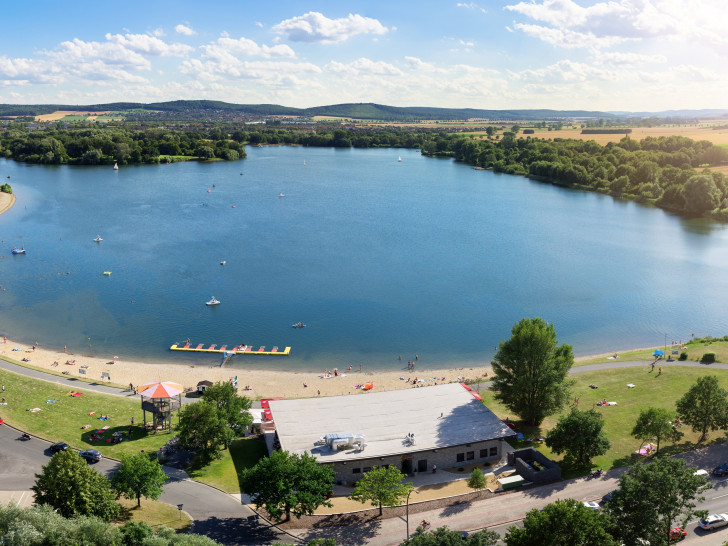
{"points": [[378, 258]]}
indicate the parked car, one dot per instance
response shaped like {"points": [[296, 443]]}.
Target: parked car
{"points": [[606, 498], [703, 473], [60, 446], [1, 421], [91, 455], [721, 470], [677, 533], [713, 521], [592, 505]]}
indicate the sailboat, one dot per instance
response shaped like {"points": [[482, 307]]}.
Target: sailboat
{"points": [[98, 239], [304, 162], [399, 159], [116, 166]]}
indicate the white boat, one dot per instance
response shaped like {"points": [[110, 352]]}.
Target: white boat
{"points": [[116, 166], [98, 239], [399, 159], [223, 262], [281, 194], [213, 301], [304, 162]]}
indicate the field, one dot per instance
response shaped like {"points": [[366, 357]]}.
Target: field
{"points": [[63, 419], [651, 390]]}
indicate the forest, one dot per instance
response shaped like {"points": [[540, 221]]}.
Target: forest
{"points": [[667, 172]]}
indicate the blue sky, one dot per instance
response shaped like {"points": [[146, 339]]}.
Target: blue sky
{"points": [[606, 55]]}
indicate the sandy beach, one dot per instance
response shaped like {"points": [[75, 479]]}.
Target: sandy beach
{"points": [[261, 383], [7, 200]]}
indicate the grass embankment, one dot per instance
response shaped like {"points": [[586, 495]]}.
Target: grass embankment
{"points": [[63, 419], [695, 350], [154, 513], [223, 473], [650, 390]]}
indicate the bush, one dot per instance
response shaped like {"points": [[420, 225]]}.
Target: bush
{"points": [[708, 358], [683, 355]]}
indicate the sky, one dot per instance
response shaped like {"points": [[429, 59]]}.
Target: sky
{"points": [[609, 55]]}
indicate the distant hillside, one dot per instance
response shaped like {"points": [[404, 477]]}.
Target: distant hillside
{"points": [[362, 111]]}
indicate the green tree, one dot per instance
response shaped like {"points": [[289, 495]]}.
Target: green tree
{"points": [[580, 435], [205, 152], [705, 406], [202, 430], [71, 486], [477, 481], [656, 423], [442, 536], [383, 486], [530, 371], [653, 498], [139, 476], [232, 409], [701, 194], [565, 522], [288, 482]]}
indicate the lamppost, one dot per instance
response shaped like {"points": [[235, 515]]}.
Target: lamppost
{"points": [[408, 496]]}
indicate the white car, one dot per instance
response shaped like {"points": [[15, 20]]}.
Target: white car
{"points": [[592, 505], [704, 473], [713, 521]]}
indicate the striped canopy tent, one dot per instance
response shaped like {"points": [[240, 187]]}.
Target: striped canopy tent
{"points": [[161, 399], [162, 389]]}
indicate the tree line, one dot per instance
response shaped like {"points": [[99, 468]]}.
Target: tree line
{"points": [[667, 172]]}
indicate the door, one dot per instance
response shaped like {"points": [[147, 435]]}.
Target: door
{"points": [[422, 465]]}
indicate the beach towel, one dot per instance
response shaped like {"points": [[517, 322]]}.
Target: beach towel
{"points": [[51, 401], [33, 410]]}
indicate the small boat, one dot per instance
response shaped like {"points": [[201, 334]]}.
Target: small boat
{"points": [[20, 250], [116, 166], [213, 301], [107, 273], [304, 162], [223, 262], [399, 159], [298, 325], [98, 239], [281, 194]]}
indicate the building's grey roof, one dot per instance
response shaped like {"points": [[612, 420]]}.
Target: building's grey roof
{"points": [[438, 416]]}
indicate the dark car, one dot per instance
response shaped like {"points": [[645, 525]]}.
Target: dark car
{"points": [[721, 470], [60, 446], [91, 455], [606, 498]]}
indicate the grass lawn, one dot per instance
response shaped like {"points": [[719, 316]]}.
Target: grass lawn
{"points": [[223, 473], [62, 420], [650, 390], [695, 350], [155, 513]]}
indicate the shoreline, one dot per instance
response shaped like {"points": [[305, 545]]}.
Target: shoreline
{"points": [[262, 383], [7, 200]]}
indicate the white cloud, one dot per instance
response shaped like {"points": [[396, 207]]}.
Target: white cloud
{"points": [[471, 5], [151, 45], [362, 67], [259, 24], [225, 47], [315, 27], [568, 39], [565, 71], [618, 20], [628, 59], [183, 29]]}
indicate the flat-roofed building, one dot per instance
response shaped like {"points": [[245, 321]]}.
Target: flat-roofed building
{"points": [[411, 429]]}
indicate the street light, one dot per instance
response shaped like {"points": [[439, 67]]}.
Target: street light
{"points": [[408, 496]]}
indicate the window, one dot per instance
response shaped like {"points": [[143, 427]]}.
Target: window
{"points": [[470, 455], [494, 451], [367, 469], [483, 453], [356, 470], [460, 457]]}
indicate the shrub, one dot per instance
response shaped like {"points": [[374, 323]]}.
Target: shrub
{"points": [[684, 355], [708, 358]]}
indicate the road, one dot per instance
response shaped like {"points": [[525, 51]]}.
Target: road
{"points": [[214, 513]]}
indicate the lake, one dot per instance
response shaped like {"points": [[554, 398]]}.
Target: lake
{"points": [[378, 258]]}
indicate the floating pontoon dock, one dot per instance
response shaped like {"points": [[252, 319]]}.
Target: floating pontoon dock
{"points": [[238, 350]]}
